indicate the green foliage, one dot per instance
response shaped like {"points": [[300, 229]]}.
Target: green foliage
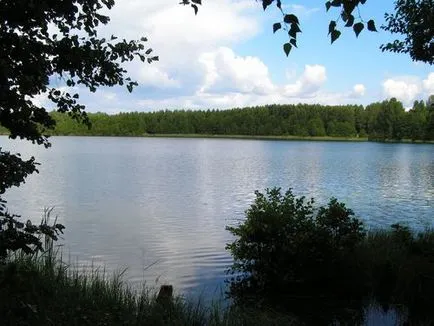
{"points": [[379, 121], [284, 242], [413, 19], [13, 170], [430, 102], [316, 127], [16, 236], [29, 56], [321, 265]]}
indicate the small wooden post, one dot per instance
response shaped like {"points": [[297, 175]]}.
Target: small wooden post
{"points": [[165, 295]]}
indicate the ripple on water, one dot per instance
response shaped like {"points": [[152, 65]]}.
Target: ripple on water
{"points": [[160, 206]]}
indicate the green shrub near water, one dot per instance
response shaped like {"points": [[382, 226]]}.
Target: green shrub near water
{"points": [[323, 266], [283, 244], [287, 253]]}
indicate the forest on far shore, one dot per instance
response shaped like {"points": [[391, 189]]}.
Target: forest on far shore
{"points": [[385, 120]]}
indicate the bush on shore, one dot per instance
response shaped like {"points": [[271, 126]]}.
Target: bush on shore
{"points": [[323, 265]]}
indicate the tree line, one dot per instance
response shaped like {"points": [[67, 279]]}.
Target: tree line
{"points": [[385, 120]]}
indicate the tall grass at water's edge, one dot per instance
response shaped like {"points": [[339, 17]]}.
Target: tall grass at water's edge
{"points": [[44, 290]]}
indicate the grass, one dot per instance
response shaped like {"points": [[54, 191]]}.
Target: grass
{"points": [[401, 266], [43, 290]]}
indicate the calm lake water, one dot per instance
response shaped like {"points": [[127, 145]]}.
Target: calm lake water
{"points": [[159, 206]]}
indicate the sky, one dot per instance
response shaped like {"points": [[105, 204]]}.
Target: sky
{"points": [[227, 56]]}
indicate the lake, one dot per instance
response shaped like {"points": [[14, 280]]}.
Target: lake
{"points": [[159, 206]]}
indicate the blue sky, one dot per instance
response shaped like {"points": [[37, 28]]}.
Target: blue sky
{"points": [[349, 60], [227, 56]]}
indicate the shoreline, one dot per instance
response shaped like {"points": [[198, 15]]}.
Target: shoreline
{"points": [[259, 137]]}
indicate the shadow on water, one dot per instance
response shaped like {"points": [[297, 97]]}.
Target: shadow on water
{"points": [[346, 311], [355, 305], [325, 269]]}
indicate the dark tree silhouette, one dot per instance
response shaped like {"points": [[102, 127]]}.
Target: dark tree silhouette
{"points": [[31, 53]]}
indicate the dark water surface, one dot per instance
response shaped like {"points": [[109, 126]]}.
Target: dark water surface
{"points": [[165, 202]]}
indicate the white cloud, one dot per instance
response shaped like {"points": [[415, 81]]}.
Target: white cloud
{"points": [[175, 32], [428, 83], [358, 90], [313, 77], [110, 96], [40, 100], [246, 81], [177, 25], [231, 100], [404, 89], [179, 37], [226, 72], [300, 10], [156, 77]]}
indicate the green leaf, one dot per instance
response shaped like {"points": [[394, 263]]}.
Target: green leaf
{"points": [[279, 4], [332, 26], [287, 48], [276, 27], [290, 19], [294, 30], [349, 6], [328, 5], [371, 26], [196, 9], [293, 41], [350, 21], [358, 28], [335, 35], [266, 3]]}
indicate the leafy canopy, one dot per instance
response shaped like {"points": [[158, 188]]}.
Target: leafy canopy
{"points": [[41, 40], [414, 20]]}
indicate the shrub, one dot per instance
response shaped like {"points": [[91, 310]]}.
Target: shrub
{"points": [[286, 249]]}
